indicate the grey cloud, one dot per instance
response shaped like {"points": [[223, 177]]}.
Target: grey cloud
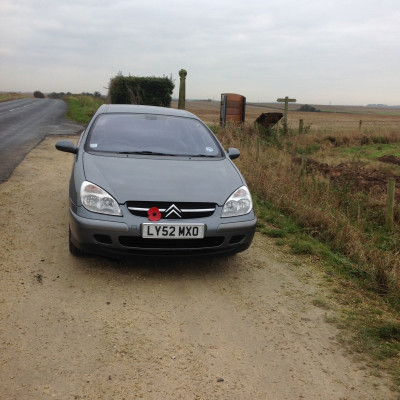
{"points": [[260, 48]]}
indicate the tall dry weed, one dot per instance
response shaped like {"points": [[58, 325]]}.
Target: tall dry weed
{"points": [[312, 202]]}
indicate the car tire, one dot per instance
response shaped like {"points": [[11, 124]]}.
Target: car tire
{"points": [[73, 249]]}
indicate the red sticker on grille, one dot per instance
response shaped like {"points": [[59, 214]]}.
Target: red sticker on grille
{"points": [[154, 214]]}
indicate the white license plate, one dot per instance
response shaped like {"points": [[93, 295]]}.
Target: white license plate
{"points": [[172, 231]]}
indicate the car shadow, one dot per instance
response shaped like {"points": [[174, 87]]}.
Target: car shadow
{"points": [[174, 267]]}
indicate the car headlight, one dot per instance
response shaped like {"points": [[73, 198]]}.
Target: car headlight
{"points": [[98, 200], [239, 203]]}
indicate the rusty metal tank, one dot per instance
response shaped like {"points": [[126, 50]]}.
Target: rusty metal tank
{"points": [[233, 108]]}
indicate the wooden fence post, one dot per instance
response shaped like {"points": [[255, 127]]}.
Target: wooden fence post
{"points": [[359, 125], [390, 204]]}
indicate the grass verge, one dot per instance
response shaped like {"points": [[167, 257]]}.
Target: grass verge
{"points": [[13, 96], [336, 212], [82, 108], [369, 325]]}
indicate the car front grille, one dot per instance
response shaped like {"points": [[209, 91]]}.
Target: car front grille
{"points": [[168, 210], [137, 241]]}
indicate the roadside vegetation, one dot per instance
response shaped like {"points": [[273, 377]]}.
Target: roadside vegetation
{"points": [[7, 96], [342, 204], [323, 196], [82, 107]]}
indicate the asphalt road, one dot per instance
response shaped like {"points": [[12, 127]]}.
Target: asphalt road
{"points": [[24, 123]]}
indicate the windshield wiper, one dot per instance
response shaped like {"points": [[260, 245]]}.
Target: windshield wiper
{"points": [[201, 155], [147, 152]]}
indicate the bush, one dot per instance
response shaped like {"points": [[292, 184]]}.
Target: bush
{"points": [[141, 90], [55, 95], [38, 94], [308, 108]]}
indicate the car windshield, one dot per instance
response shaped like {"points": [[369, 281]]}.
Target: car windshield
{"points": [[151, 134]]}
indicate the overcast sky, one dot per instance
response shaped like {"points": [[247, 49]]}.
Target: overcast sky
{"points": [[319, 52]]}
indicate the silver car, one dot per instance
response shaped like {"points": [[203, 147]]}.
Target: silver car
{"points": [[155, 181]]}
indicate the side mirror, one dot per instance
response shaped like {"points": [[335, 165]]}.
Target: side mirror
{"points": [[233, 153], [67, 146]]}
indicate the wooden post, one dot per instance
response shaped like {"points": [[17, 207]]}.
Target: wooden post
{"points": [[390, 204], [359, 125], [301, 126], [182, 89], [286, 100]]}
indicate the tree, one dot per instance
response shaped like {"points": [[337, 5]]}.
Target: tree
{"points": [[38, 94], [308, 108]]}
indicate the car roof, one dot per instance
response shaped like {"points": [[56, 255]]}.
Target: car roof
{"points": [[142, 109]]}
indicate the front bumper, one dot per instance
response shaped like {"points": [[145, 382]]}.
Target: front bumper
{"points": [[121, 239]]}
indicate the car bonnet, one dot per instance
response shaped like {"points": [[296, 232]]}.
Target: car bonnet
{"points": [[163, 179]]}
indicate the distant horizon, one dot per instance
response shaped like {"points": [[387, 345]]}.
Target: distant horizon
{"points": [[376, 105]]}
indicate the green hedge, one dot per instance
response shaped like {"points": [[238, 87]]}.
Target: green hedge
{"points": [[141, 90]]}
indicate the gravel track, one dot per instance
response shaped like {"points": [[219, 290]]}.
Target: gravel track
{"points": [[243, 327]]}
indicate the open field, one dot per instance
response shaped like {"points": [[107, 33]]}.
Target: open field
{"points": [[6, 96], [331, 136], [333, 118]]}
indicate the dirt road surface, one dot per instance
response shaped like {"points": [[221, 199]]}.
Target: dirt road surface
{"points": [[243, 327]]}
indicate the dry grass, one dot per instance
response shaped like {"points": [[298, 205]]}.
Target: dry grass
{"points": [[349, 220], [326, 210], [336, 119], [6, 96]]}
